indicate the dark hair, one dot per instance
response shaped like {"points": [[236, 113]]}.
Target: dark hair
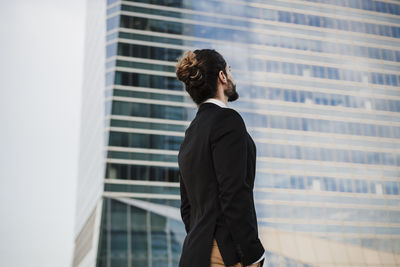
{"points": [[198, 70]]}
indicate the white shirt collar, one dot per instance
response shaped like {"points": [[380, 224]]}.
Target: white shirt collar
{"points": [[215, 101]]}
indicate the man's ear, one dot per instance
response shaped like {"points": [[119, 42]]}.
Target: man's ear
{"points": [[221, 76]]}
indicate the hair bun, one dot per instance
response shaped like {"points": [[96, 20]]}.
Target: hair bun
{"points": [[188, 69]]}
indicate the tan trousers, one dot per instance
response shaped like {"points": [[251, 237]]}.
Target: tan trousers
{"points": [[217, 261]]}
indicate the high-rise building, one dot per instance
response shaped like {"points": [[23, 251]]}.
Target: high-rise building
{"points": [[319, 86]]}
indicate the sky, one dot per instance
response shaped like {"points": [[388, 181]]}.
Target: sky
{"points": [[41, 58]]}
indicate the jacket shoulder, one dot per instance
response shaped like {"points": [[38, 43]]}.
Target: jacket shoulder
{"points": [[227, 121], [229, 116]]}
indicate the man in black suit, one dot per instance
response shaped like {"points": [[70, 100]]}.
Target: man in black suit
{"points": [[216, 170]]}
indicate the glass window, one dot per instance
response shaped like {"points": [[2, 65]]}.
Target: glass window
{"points": [[380, 6], [314, 20], [265, 150], [111, 50], [277, 122], [387, 158], [109, 78], [396, 132], [272, 66], [293, 123], [311, 153], [393, 8], [349, 185], [285, 68], [395, 188], [387, 79], [292, 68], [355, 128], [290, 95], [372, 157], [113, 22], [342, 24], [299, 18], [387, 54], [327, 154], [324, 22], [321, 98], [374, 52], [284, 16], [336, 100], [301, 44], [256, 64], [293, 181], [341, 185], [397, 53], [275, 93], [395, 32], [368, 5], [300, 182], [286, 42], [305, 97], [354, 4], [294, 152], [393, 80], [113, 9], [364, 186], [370, 28], [330, 23], [369, 129], [394, 105], [372, 187], [383, 131], [268, 14], [380, 78], [342, 155], [357, 186], [278, 151], [356, 26], [388, 188], [380, 104], [357, 156]]}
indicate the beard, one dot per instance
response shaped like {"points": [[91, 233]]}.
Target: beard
{"points": [[231, 91]]}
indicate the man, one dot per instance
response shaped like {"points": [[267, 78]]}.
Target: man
{"points": [[216, 170]]}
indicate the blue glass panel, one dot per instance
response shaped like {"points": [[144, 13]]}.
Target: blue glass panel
{"points": [[314, 20], [369, 129], [393, 81], [111, 50], [299, 18], [383, 131], [380, 78], [110, 2], [342, 24], [380, 6], [342, 155], [112, 23], [387, 54], [354, 3], [293, 123], [277, 122], [396, 132], [387, 159], [284, 16], [275, 94], [395, 31]]}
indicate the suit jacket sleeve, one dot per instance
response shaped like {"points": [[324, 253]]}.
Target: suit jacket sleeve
{"points": [[185, 205], [229, 153]]}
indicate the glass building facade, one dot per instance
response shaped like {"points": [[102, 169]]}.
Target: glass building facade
{"points": [[319, 86]]}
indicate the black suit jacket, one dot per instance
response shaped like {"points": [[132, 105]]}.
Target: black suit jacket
{"points": [[217, 161]]}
